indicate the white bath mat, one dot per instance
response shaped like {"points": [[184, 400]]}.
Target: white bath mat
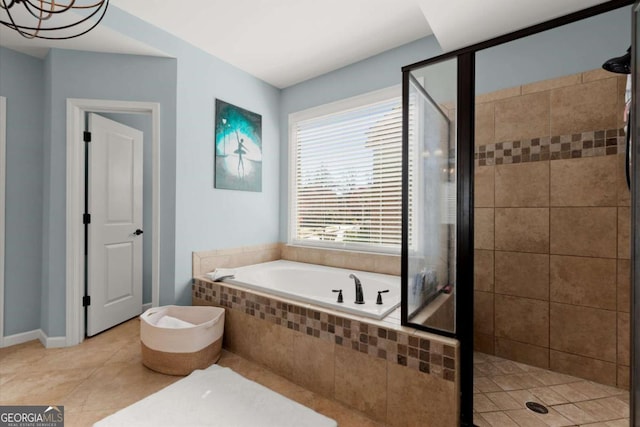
{"points": [[216, 397]]}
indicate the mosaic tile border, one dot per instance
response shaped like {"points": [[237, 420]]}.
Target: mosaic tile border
{"points": [[577, 145], [414, 352]]}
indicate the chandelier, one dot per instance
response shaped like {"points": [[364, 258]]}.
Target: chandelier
{"points": [[45, 19]]}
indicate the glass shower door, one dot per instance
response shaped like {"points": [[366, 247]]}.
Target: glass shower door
{"points": [[431, 260], [437, 211]]}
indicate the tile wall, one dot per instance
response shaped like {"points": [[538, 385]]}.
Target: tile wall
{"points": [[552, 226]]}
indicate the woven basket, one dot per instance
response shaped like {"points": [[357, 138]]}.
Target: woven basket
{"points": [[179, 351]]}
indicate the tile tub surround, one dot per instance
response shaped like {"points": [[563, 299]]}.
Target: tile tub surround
{"points": [[377, 367], [207, 261], [552, 227]]}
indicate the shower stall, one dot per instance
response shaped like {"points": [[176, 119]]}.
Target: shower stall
{"points": [[518, 238]]}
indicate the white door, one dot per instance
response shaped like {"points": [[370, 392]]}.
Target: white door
{"points": [[114, 260]]}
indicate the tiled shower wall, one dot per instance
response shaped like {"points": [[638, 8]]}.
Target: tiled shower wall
{"points": [[552, 226]]}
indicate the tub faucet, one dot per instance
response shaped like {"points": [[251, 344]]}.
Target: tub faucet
{"points": [[359, 295]]}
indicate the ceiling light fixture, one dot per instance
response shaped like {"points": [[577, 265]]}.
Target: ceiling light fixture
{"points": [[42, 19]]}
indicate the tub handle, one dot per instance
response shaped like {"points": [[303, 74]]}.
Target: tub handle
{"points": [[379, 299], [340, 300]]}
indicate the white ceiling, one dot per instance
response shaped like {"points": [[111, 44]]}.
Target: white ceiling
{"points": [[460, 23], [100, 39], [285, 42]]}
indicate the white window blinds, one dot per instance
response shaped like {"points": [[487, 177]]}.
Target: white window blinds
{"points": [[348, 178]]}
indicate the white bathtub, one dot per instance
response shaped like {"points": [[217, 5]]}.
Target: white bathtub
{"points": [[313, 284]]}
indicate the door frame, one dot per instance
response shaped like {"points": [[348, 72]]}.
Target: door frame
{"points": [[76, 111], [3, 173]]}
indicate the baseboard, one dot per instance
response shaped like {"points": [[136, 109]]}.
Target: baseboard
{"points": [[51, 342], [146, 307], [20, 338], [36, 334]]}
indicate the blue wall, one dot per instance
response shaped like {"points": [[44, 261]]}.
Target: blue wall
{"points": [[570, 49], [76, 74], [21, 83], [207, 218], [378, 72]]}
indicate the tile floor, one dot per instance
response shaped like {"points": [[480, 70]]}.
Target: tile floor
{"points": [[501, 388], [105, 374]]}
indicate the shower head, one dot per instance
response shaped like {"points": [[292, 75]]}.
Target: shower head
{"points": [[620, 64]]}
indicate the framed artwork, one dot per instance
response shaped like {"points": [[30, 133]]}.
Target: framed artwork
{"points": [[238, 148]]}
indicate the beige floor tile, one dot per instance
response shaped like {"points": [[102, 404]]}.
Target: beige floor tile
{"points": [[523, 396], [594, 390], [115, 386], [481, 403], [569, 393], [22, 358], [525, 418], [554, 419], [479, 421], [547, 396], [574, 413], [625, 397], [530, 369], [507, 382], [554, 378], [485, 385], [487, 369], [477, 357], [38, 388], [571, 401], [617, 406], [598, 411], [129, 352], [509, 367], [499, 419], [618, 423], [5, 378], [60, 360], [529, 380], [504, 401]]}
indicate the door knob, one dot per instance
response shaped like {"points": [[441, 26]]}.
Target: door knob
{"points": [[138, 232]]}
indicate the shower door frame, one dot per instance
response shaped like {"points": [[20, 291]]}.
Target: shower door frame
{"points": [[465, 144], [633, 128]]}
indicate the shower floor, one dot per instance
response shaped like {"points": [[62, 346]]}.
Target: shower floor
{"points": [[502, 387]]}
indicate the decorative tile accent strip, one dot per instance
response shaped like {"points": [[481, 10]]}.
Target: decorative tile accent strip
{"points": [[585, 144], [414, 352]]}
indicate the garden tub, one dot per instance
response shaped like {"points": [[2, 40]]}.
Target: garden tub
{"points": [[316, 284]]}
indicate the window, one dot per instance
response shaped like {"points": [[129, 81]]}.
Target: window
{"points": [[346, 174]]}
